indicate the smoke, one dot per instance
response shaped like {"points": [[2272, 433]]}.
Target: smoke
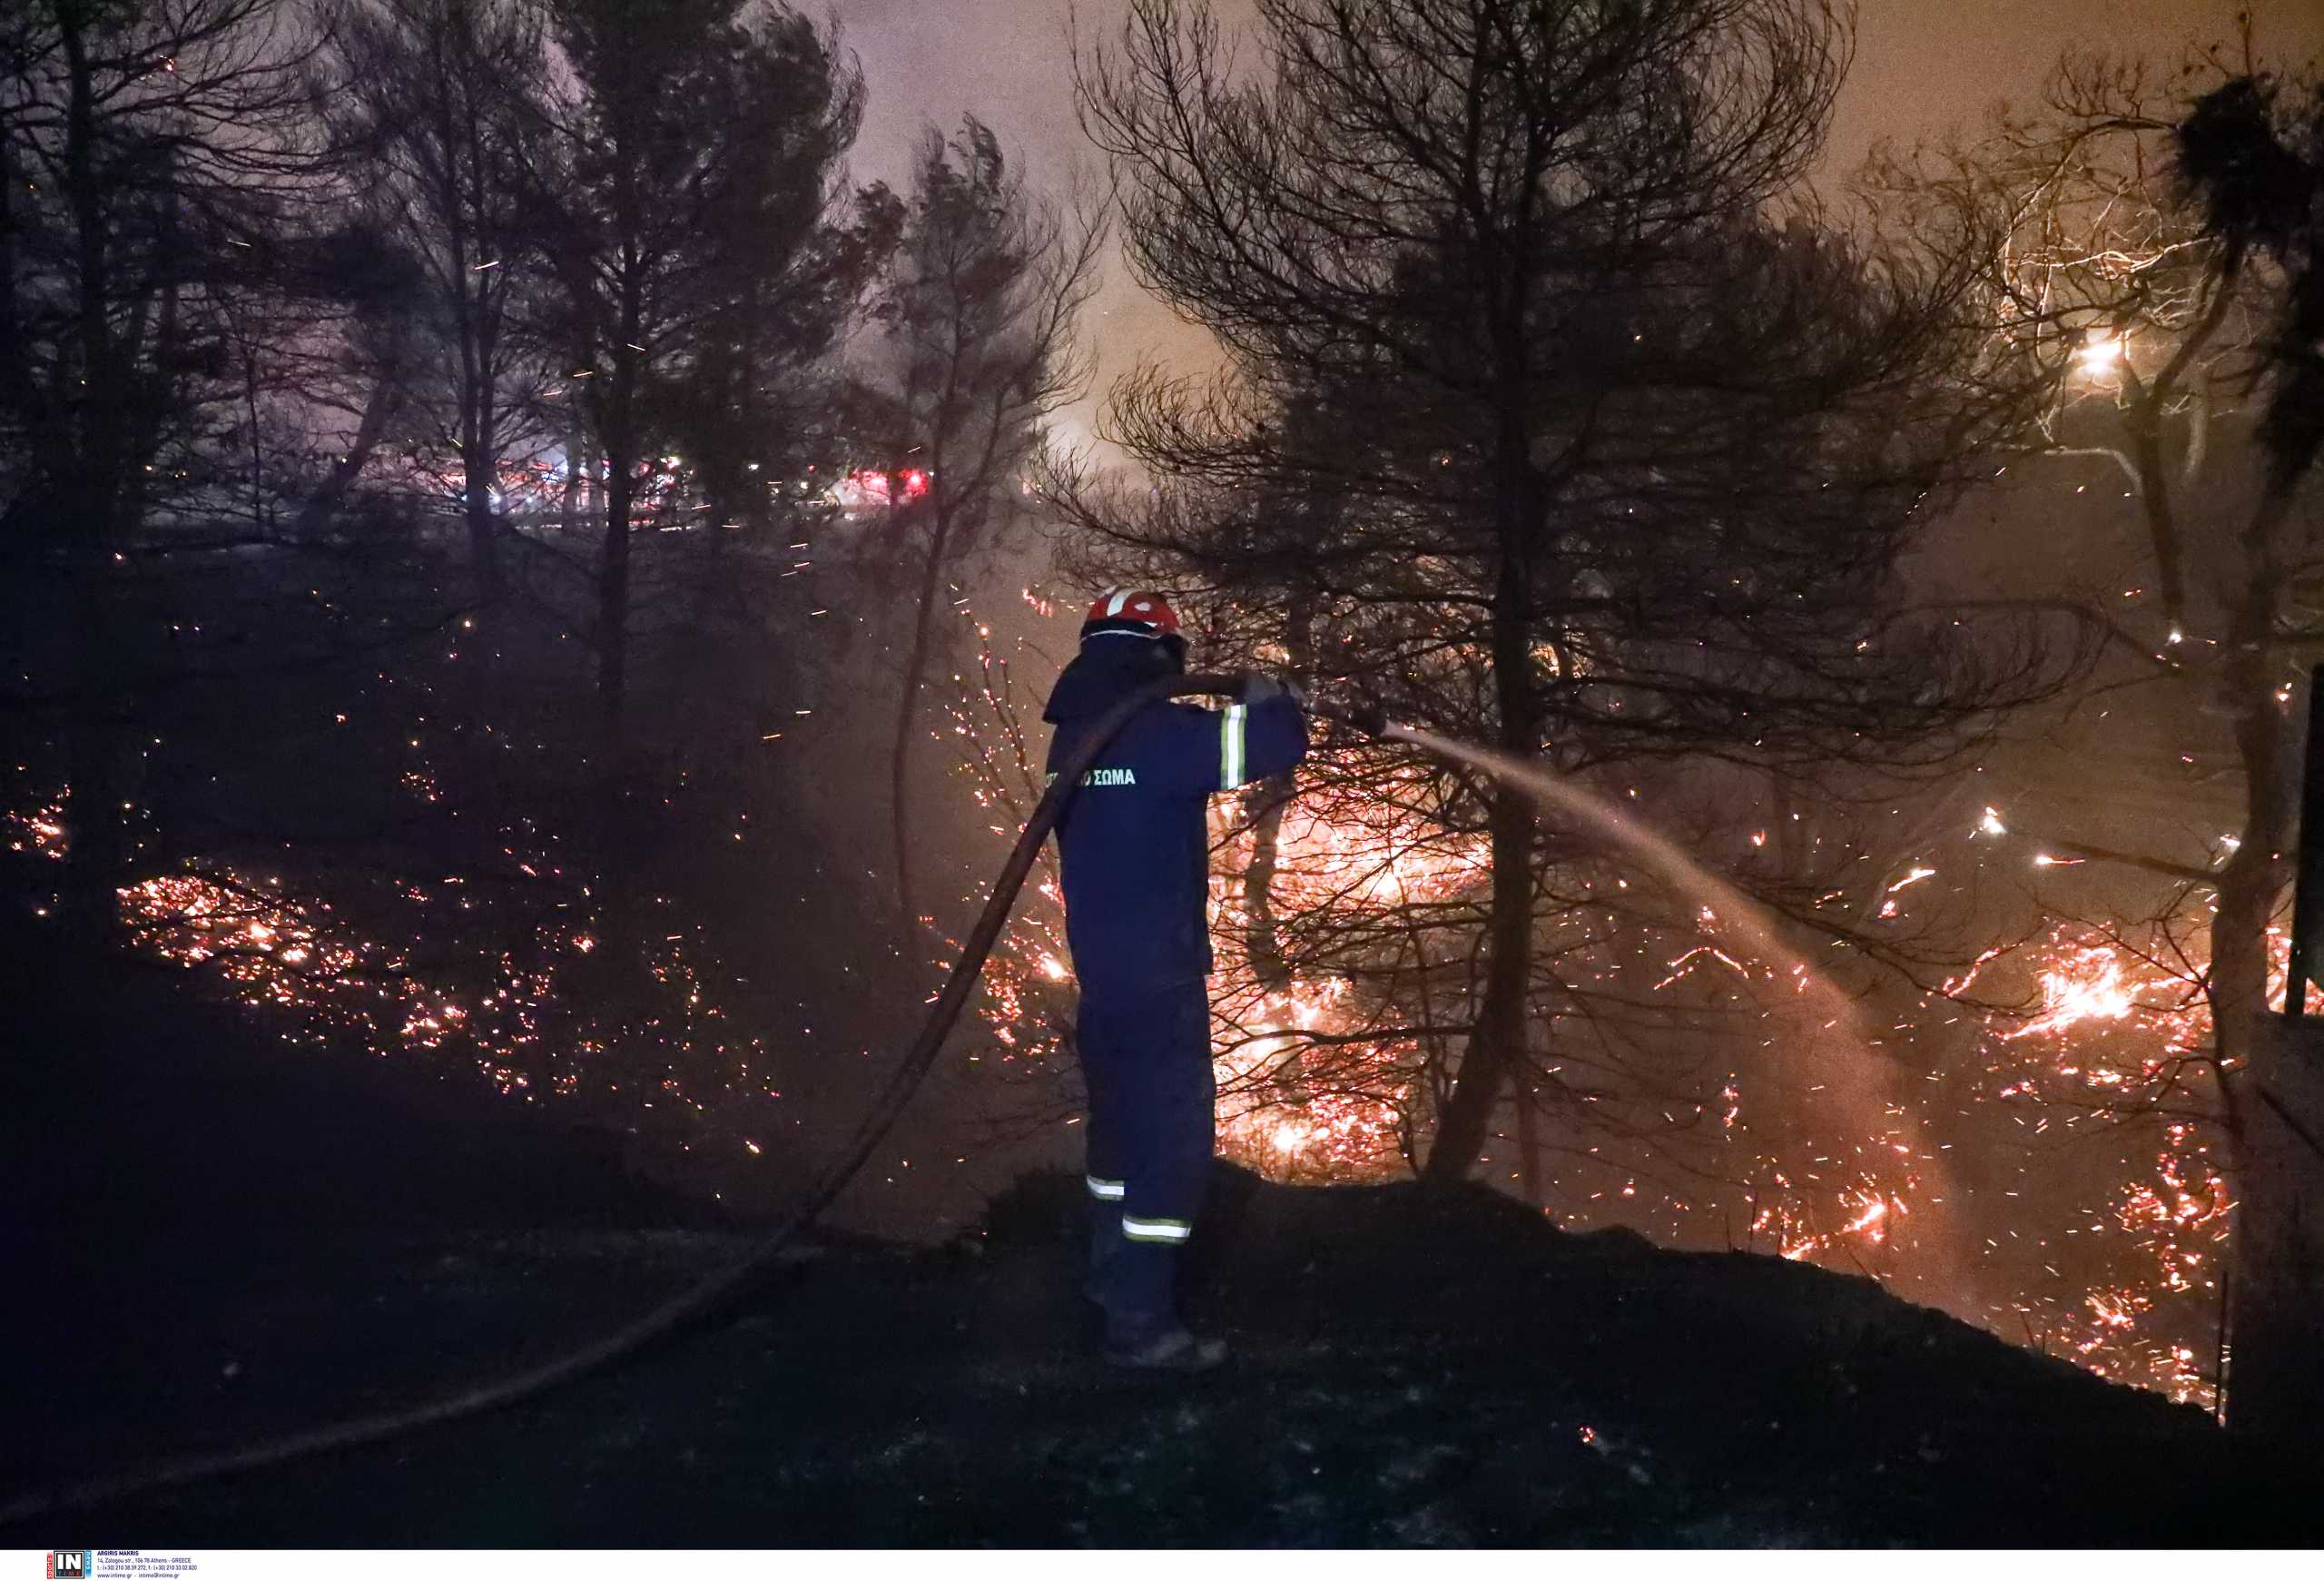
{"points": [[1920, 71]]}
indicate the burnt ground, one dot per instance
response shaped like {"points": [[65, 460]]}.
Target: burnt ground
{"points": [[215, 1242]]}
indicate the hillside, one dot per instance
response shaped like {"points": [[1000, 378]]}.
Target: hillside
{"points": [[1410, 1369]]}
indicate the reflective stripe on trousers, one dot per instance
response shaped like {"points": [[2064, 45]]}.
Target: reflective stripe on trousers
{"points": [[1147, 1061]]}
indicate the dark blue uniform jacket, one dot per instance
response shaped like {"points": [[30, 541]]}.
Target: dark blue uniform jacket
{"points": [[1133, 843]]}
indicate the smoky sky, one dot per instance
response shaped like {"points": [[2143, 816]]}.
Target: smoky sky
{"points": [[1924, 68]]}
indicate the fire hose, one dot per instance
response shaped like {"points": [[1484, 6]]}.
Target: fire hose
{"points": [[713, 1294]]}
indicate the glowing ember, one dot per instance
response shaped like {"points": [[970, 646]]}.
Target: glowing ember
{"points": [[42, 831], [2089, 985]]}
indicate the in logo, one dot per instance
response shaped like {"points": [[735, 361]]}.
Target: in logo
{"points": [[69, 1562]]}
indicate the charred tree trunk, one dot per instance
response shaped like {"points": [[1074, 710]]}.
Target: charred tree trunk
{"points": [[479, 455], [1269, 797], [2145, 422], [621, 979], [900, 755], [2245, 905], [2239, 977], [1497, 1046], [2253, 878], [479, 460], [613, 595], [484, 523], [378, 411], [1496, 1049], [617, 430], [99, 849], [1532, 1178], [575, 461], [2274, 1387]]}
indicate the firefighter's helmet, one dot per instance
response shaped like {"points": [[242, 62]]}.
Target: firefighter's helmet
{"points": [[1138, 613], [1129, 612]]}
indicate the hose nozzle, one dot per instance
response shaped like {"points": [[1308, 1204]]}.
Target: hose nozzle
{"points": [[1364, 716]]}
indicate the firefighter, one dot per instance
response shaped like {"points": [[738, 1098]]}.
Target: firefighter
{"points": [[1134, 844]]}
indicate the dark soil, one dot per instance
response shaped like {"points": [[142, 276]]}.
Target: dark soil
{"points": [[218, 1246]]}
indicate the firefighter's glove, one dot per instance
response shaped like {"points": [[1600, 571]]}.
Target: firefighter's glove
{"points": [[1258, 688]]}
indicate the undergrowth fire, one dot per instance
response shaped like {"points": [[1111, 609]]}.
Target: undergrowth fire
{"points": [[2079, 1158]]}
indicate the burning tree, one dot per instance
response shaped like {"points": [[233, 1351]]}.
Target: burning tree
{"points": [[2107, 292], [1555, 419], [2147, 278]]}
